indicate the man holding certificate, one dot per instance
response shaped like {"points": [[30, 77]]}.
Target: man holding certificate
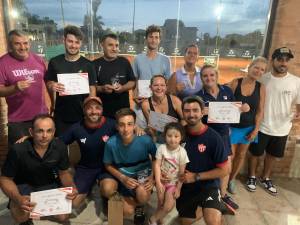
{"points": [[70, 79], [39, 163], [215, 93]]}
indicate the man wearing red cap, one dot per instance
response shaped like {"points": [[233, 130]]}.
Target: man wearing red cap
{"points": [[282, 93], [91, 135]]}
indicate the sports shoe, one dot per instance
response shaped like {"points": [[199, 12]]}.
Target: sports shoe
{"points": [[251, 184], [28, 222], [268, 185], [230, 204], [231, 187], [139, 215]]}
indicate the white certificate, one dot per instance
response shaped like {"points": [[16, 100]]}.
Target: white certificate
{"points": [[224, 112], [158, 121], [51, 202], [144, 90], [75, 83]]}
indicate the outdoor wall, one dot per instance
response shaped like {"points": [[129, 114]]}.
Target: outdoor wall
{"points": [[286, 33], [3, 107]]}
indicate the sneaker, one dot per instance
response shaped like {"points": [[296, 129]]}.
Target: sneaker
{"points": [[225, 210], [231, 187], [251, 184], [28, 222], [230, 204], [139, 215], [268, 185]]}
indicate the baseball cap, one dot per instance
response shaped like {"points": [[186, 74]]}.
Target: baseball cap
{"points": [[279, 52], [88, 99]]}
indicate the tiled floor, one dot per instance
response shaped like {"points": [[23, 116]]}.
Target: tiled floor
{"points": [[259, 208]]}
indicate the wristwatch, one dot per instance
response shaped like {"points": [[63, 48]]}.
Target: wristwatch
{"points": [[197, 177]]}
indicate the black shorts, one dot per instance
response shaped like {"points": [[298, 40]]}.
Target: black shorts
{"points": [[61, 126], [190, 199], [273, 145]]}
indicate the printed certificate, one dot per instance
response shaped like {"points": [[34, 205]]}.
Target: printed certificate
{"points": [[158, 121], [144, 90], [75, 83], [51, 202], [224, 112]]}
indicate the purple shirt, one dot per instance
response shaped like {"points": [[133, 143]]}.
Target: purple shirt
{"points": [[23, 106]]}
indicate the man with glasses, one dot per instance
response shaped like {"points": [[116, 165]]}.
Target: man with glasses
{"points": [[282, 93]]}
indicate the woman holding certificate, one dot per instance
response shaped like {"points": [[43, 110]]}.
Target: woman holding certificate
{"points": [[247, 90], [214, 92], [161, 108]]}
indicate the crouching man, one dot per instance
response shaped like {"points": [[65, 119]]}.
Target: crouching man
{"points": [[128, 159], [39, 163]]}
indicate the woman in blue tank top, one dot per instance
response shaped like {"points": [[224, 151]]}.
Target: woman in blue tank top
{"points": [[186, 81], [247, 90]]}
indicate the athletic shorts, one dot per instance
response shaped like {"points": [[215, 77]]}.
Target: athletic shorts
{"points": [[85, 178], [122, 189], [239, 135], [273, 145], [227, 144], [190, 199]]}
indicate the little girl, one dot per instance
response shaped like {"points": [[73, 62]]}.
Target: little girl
{"points": [[171, 159]]}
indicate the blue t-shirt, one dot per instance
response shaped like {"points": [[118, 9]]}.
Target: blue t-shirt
{"points": [[205, 151], [91, 141], [225, 95], [145, 68], [132, 158]]}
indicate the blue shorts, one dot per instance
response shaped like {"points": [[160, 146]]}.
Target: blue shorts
{"points": [[238, 135], [26, 189], [85, 178]]}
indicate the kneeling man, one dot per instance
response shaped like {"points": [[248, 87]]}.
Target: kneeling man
{"points": [[39, 163], [127, 158]]}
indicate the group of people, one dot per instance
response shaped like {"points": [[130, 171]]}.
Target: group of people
{"points": [[192, 163]]}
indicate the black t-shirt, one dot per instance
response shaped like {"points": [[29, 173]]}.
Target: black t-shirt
{"points": [[106, 71], [25, 166], [69, 108]]}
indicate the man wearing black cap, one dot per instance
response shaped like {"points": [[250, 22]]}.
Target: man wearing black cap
{"points": [[282, 93]]}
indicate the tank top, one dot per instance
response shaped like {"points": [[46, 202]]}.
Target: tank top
{"points": [[190, 89], [171, 110], [247, 119]]}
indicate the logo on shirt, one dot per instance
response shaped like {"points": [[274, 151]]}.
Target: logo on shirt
{"points": [[105, 138], [83, 140], [209, 199], [25, 73], [201, 148], [287, 92]]}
